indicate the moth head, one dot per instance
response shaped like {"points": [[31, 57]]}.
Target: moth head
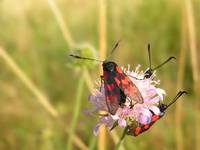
{"points": [[109, 66], [148, 73], [162, 107]]}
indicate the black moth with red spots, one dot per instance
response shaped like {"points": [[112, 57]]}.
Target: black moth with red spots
{"points": [[135, 131], [117, 85]]}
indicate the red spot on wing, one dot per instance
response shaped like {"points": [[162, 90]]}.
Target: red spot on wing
{"points": [[110, 87], [112, 94], [137, 131], [119, 70], [128, 87], [154, 118], [127, 78], [112, 103], [126, 81], [111, 98], [132, 89], [146, 126], [117, 81]]}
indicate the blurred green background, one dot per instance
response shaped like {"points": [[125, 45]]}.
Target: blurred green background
{"points": [[44, 93]]}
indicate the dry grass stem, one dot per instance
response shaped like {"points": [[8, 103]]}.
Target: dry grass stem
{"points": [[102, 29], [194, 61], [76, 111], [61, 23], [69, 40], [42, 99], [102, 54], [180, 79], [192, 39]]}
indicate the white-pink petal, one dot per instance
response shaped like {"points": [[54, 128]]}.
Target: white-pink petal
{"points": [[122, 123], [144, 119], [115, 117], [155, 110], [155, 100], [108, 121], [96, 129], [160, 93]]}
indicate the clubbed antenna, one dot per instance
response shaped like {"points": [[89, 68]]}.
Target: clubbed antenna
{"points": [[149, 54], [92, 59], [166, 61], [149, 72], [180, 93], [79, 57], [163, 107], [113, 49]]}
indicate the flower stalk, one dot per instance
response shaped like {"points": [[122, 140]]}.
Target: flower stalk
{"points": [[76, 112], [121, 140]]}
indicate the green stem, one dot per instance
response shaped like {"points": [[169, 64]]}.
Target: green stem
{"points": [[93, 142], [77, 105], [121, 140]]}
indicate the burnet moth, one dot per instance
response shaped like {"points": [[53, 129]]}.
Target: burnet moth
{"points": [[137, 130], [117, 84]]}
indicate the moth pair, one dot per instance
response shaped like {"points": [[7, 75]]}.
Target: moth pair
{"points": [[118, 87]]}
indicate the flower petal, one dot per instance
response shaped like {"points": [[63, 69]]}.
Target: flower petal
{"points": [[155, 100], [122, 123], [155, 110], [144, 119], [108, 121], [115, 117], [160, 93], [96, 129]]}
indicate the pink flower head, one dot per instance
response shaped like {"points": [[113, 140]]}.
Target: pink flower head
{"points": [[128, 113]]}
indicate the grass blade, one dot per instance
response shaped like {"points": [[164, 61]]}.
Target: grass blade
{"points": [[61, 23], [76, 112], [102, 54], [180, 79], [42, 99], [194, 62]]}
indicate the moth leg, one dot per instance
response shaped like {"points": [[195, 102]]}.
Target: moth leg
{"points": [[102, 80], [131, 102]]}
